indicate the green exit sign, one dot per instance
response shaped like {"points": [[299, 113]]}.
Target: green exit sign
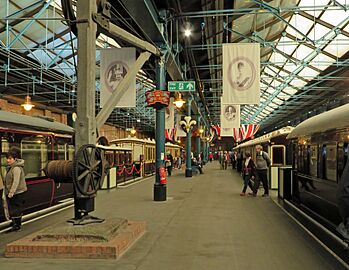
{"points": [[181, 86]]}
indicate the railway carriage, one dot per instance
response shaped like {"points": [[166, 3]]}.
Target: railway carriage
{"points": [[39, 140], [320, 154], [143, 150]]}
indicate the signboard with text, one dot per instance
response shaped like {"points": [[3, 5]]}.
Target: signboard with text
{"points": [[185, 86]]}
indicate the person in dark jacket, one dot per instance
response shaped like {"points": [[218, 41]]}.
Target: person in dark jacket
{"points": [[15, 187], [263, 162], [248, 173], [169, 163], [239, 159]]}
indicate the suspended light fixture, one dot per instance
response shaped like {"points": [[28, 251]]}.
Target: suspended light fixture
{"points": [[179, 101], [27, 105], [187, 32], [187, 29], [133, 131]]}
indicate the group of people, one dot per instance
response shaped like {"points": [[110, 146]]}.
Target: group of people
{"points": [[176, 163], [13, 188], [254, 172]]}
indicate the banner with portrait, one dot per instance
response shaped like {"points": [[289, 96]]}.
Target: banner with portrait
{"points": [[230, 119], [241, 73], [179, 131], [169, 115], [115, 64]]}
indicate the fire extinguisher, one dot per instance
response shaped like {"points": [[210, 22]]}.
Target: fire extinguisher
{"points": [[162, 175]]}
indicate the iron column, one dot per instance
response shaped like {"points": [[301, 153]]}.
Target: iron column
{"points": [[85, 132], [198, 139], [160, 189], [188, 171]]}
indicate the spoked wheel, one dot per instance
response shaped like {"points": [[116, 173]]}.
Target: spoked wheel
{"points": [[88, 169]]}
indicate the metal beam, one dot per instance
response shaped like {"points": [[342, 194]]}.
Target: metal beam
{"points": [[117, 32]]}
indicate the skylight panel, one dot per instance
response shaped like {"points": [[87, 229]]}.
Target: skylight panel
{"points": [[270, 90], [278, 59], [334, 17], [308, 73], [339, 46], [290, 67], [301, 23], [286, 45], [314, 12], [273, 105], [290, 90], [278, 101], [302, 52], [322, 61], [318, 32]]}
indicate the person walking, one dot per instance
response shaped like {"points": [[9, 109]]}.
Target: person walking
{"points": [[210, 156], [262, 163], [15, 187], [169, 163], [248, 173]]}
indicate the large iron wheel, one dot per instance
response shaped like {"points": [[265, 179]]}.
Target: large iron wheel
{"points": [[88, 169]]}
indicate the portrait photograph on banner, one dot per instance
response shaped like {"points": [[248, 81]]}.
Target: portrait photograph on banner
{"points": [[179, 131], [169, 115], [241, 73], [115, 63]]}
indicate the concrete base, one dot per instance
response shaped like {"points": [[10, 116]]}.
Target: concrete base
{"points": [[188, 172], [107, 240], [160, 193]]}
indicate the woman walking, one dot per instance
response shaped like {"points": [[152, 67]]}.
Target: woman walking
{"points": [[248, 172], [15, 187]]}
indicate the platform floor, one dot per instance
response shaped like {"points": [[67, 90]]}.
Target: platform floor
{"points": [[205, 224]]}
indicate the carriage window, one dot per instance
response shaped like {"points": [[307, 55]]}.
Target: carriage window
{"points": [[278, 155], [34, 153], [313, 160], [331, 163], [70, 152], [4, 149], [61, 151]]}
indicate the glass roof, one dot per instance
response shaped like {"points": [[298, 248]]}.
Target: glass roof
{"points": [[298, 61]]}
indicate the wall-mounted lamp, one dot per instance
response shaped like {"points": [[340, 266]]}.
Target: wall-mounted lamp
{"points": [[27, 105], [201, 130], [179, 102]]}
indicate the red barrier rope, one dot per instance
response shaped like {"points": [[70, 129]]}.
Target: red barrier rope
{"points": [[121, 171], [131, 171], [140, 169]]}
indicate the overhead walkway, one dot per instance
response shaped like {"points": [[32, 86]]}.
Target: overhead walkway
{"points": [[205, 224]]}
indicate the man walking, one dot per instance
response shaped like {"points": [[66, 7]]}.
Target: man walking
{"points": [[262, 163]]}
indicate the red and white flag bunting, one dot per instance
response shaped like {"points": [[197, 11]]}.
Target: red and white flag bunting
{"points": [[245, 132], [170, 134]]}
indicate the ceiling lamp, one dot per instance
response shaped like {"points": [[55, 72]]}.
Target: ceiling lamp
{"points": [[133, 131], [27, 105], [187, 32], [179, 101]]}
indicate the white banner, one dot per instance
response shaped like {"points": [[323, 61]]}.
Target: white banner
{"points": [[230, 118], [179, 131], [227, 132], [115, 63], [169, 115], [241, 73]]}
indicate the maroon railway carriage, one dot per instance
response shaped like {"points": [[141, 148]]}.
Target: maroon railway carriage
{"points": [[40, 140]]}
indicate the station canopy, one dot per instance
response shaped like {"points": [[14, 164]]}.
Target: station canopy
{"points": [[304, 52]]}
